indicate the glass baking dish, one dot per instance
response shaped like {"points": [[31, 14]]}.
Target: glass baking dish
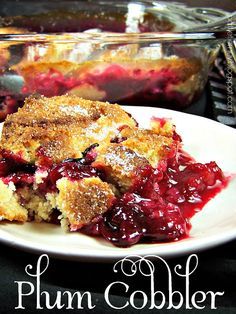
{"points": [[133, 53]]}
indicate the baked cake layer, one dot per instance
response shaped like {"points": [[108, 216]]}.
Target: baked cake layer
{"points": [[61, 127]]}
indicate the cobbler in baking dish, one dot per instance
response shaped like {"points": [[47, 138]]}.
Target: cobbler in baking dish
{"points": [[89, 166], [129, 75]]}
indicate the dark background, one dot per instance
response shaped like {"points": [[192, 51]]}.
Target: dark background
{"points": [[216, 272]]}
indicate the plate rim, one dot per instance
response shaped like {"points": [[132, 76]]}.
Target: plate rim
{"points": [[212, 241]]}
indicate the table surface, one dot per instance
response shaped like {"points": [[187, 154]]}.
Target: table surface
{"points": [[216, 272]]}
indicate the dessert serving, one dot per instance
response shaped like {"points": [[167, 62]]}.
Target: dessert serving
{"points": [[88, 166]]}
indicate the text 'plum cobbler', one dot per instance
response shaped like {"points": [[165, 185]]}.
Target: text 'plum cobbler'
{"points": [[87, 165]]}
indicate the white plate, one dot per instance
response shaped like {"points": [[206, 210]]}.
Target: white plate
{"points": [[205, 140]]}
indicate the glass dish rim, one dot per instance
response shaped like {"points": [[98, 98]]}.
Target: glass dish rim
{"points": [[200, 32], [113, 38]]}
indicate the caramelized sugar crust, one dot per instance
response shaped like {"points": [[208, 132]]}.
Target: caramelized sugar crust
{"points": [[149, 144], [80, 202], [121, 165], [61, 127]]}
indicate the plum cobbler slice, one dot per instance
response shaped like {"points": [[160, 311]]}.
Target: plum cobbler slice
{"points": [[87, 165]]}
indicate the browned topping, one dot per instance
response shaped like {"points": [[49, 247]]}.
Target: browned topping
{"points": [[62, 126], [82, 201], [121, 164], [148, 144]]}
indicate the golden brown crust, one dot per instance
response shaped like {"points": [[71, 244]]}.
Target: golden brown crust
{"points": [[27, 68], [163, 127], [15, 214], [121, 164], [148, 144], [62, 126], [82, 201], [9, 206], [139, 148]]}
